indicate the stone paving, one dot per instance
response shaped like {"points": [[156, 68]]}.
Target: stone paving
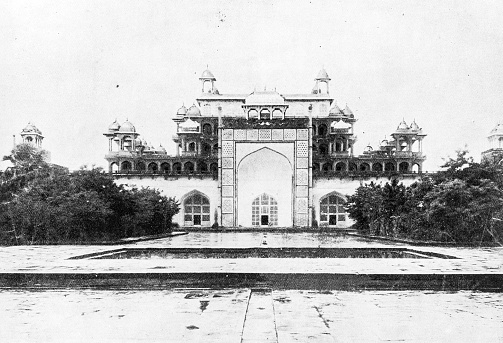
{"points": [[238, 315], [243, 314]]}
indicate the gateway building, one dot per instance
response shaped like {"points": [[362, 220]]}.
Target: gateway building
{"points": [[263, 159]]}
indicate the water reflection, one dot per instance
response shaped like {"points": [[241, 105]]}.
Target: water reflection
{"points": [[259, 239]]}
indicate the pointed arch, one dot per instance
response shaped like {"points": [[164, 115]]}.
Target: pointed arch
{"points": [[196, 209], [332, 210]]}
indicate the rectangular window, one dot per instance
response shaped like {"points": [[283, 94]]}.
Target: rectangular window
{"points": [[206, 218], [188, 218], [206, 209], [342, 217], [323, 218]]}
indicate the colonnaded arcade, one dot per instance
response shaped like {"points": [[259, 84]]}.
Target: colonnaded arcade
{"points": [[263, 159]]}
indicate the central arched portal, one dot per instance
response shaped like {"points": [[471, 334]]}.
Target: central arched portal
{"points": [[265, 189]]}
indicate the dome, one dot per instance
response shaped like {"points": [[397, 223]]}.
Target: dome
{"points": [[335, 110], [114, 126], [368, 149], [30, 128], [384, 142], [322, 75], [414, 126], [127, 127], [161, 149], [207, 75], [264, 98], [144, 143], [193, 111], [402, 126], [181, 111], [347, 111]]}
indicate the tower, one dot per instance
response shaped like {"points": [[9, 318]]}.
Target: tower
{"points": [[32, 135], [322, 80], [207, 77]]}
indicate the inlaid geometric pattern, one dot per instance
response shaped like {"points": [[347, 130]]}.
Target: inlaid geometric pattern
{"points": [[302, 162], [302, 150], [301, 219], [227, 134], [289, 134], [227, 205], [227, 162], [252, 135], [227, 220], [264, 134], [227, 177], [277, 135], [227, 191], [240, 135], [302, 134], [301, 205], [227, 149], [302, 191], [302, 177]]}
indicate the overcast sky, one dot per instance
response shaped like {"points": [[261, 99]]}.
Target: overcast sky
{"points": [[72, 67]]}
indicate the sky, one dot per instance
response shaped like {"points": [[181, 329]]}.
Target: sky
{"points": [[73, 67]]}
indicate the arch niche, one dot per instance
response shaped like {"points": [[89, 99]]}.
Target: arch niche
{"points": [[265, 171]]}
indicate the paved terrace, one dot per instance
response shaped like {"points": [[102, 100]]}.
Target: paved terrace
{"points": [[76, 314], [54, 260]]}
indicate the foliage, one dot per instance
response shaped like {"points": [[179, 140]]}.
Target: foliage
{"points": [[45, 205], [457, 204]]}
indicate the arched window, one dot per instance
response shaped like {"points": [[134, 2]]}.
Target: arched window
{"points": [[364, 167], [264, 211], [165, 167], [389, 166], [403, 167], [327, 167], [192, 147], [332, 210], [140, 166], [114, 167], [322, 130], [415, 168], [177, 168], [252, 114], [152, 167], [196, 210], [340, 166], [126, 166], [377, 167], [188, 167], [29, 139], [207, 130], [265, 114], [277, 114]]}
